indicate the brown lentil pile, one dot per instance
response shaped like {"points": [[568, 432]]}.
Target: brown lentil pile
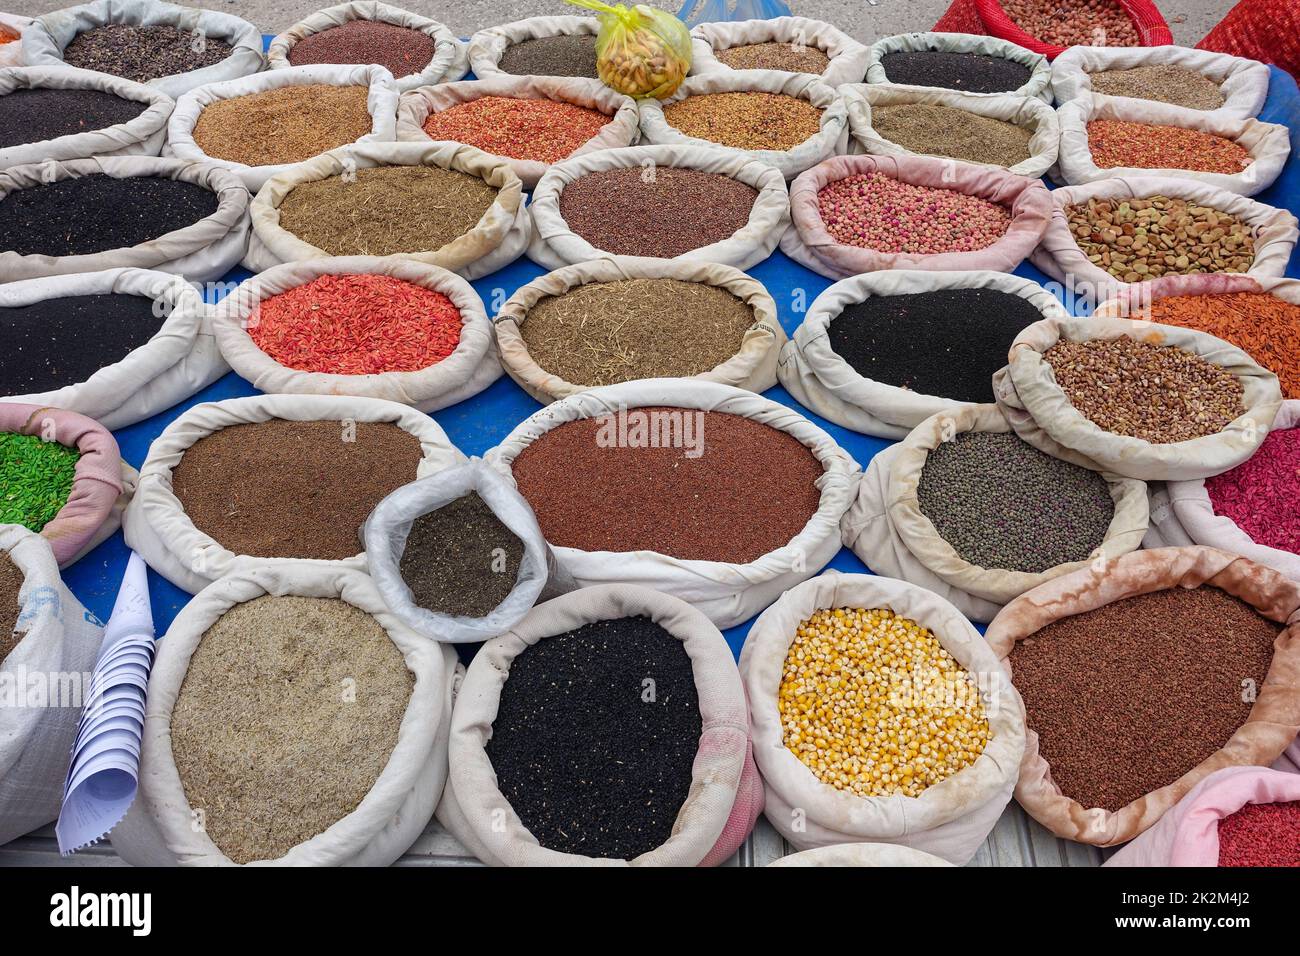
{"points": [[284, 125], [142, 53], [787, 57], [400, 50], [1163, 84], [1074, 22], [1158, 393], [11, 584], [1139, 239], [552, 56], [746, 120], [935, 130], [287, 716], [1127, 698], [1153, 146]]}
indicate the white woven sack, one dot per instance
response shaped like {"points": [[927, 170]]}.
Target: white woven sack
{"points": [[949, 819], [820, 379], [381, 103], [450, 59], [159, 830], [831, 139], [469, 369], [486, 46], [1040, 77], [1041, 413], [555, 245], [1023, 111], [11, 53], [848, 57], [157, 526], [727, 593], [478, 814], [180, 360], [59, 637], [752, 367], [44, 41], [860, 854], [500, 237], [143, 136], [1269, 144], [201, 252], [1244, 82], [622, 129]]}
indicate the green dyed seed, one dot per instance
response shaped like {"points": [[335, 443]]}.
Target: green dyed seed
{"points": [[35, 479]]}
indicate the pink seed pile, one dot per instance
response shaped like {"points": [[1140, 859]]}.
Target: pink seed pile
{"points": [[1261, 834], [1262, 494], [875, 211]]}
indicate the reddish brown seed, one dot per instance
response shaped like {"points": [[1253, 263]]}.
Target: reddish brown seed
{"points": [[1261, 834], [1155, 146], [400, 50]]}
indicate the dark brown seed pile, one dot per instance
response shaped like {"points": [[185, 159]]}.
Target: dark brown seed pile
{"points": [[552, 56], [33, 116], [11, 583], [400, 50], [968, 72], [143, 53], [786, 57]]}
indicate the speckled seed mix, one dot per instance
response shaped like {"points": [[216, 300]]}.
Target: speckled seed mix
{"points": [[1127, 698], [143, 53], [786, 57], [1262, 494], [1074, 22], [400, 50], [967, 72], [1163, 84], [1153, 146], [284, 125], [551, 56], [1261, 834], [11, 584], [1160, 394], [873, 704], [546, 131], [746, 120], [935, 130]]}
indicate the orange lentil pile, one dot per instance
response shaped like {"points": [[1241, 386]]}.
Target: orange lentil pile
{"points": [[543, 130], [1152, 146]]}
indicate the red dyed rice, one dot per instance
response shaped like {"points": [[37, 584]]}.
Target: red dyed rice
{"points": [[1261, 834], [1262, 494], [543, 130]]}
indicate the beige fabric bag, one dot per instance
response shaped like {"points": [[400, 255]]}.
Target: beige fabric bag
{"points": [[753, 367], [861, 854], [486, 46], [1040, 76], [848, 57]]}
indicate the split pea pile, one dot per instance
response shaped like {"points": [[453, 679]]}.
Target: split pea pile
{"points": [[543, 130], [746, 120], [1163, 84], [143, 53], [786, 57], [11, 584], [36, 478], [934, 130], [1154, 146], [1074, 22], [284, 125]]}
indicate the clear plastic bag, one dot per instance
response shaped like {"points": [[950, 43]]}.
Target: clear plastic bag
{"points": [[641, 51]]}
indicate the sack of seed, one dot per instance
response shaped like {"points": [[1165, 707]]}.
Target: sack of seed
{"points": [[1191, 659], [686, 792], [624, 492], [346, 709], [964, 508], [171, 48], [274, 123], [787, 44], [536, 46], [11, 35], [393, 328], [1155, 402], [860, 855], [617, 320], [532, 122], [659, 202], [979, 65], [118, 346], [443, 204], [871, 793], [416, 50], [225, 484], [788, 120]]}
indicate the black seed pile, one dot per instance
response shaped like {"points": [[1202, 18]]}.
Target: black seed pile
{"points": [[143, 53], [946, 343], [33, 116], [551, 56], [94, 213], [592, 758], [1001, 503], [58, 342], [968, 72]]}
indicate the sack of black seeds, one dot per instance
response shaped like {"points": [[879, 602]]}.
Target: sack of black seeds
{"points": [[982, 65], [117, 346], [173, 65], [873, 351], [860, 855], [688, 798], [345, 710], [537, 46], [794, 39]]}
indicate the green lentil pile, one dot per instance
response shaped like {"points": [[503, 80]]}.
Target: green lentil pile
{"points": [[35, 479]]}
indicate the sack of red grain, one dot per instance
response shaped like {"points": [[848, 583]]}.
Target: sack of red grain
{"points": [[1266, 30], [1052, 26]]}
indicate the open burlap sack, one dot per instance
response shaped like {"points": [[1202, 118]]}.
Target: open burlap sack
{"points": [[554, 244], [498, 239], [949, 819], [727, 593], [44, 41], [861, 855], [11, 53], [820, 379], [753, 367], [160, 828], [450, 59], [472, 367], [1274, 718], [156, 524], [201, 252], [811, 245], [486, 46], [622, 129], [142, 136], [181, 358], [848, 57], [725, 797], [1038, 85], [1042, 414]]}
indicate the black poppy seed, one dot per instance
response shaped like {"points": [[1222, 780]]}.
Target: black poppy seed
{"points": [[968, 72], [36, 115]]}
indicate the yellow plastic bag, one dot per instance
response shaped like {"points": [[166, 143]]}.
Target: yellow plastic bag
{"points": [[640, 51]]}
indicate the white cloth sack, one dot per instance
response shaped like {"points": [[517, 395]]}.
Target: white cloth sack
{"points": [[381, 103], [949, 819], [181, 358], [157, 526], [498, 239], [11, 53], [831, 139], [753, 367], [1041, 413], [59, 636], [450, 59], [727, 593], [472, 367], [44, 41], [159, 830], [486, 46], [1040, 76], [142, 136], [622, 129], [860, 854], [554, 244], [475, 811], [848, 57]]}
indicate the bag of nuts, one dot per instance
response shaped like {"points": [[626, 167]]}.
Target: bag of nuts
{"points": [[642, 51]]}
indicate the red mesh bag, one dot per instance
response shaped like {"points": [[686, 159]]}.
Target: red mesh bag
{"points": [[1265, 30], [987, 16]]}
